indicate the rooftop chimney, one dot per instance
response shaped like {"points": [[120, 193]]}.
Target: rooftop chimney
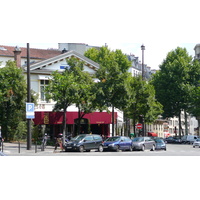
{"points": [[64, 50], [17, 55]]}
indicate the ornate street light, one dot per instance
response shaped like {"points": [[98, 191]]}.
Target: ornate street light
{"points": [[143, 48]]}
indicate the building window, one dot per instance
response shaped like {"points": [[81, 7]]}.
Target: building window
{"points": [[43, 84]]}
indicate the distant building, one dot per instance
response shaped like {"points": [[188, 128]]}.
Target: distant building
{"points": [[197, 51], [78, 47]]}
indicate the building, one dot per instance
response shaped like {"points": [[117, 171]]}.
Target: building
{"points": [[43, 63]]}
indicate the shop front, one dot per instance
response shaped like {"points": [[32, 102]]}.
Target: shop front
{"points": [[96, 123]]}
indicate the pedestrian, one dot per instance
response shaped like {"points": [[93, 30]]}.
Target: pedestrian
{"points": [[44, 141], [59, 142]]}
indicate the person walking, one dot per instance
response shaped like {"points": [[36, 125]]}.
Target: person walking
{"points": [[59, 142], [44, 141]]}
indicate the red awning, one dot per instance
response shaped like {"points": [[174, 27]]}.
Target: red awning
{"points": [[152, 134], [57, 117]]}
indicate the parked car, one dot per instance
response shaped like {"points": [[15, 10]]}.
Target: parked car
{"points": [[196, 143], [85, 142], [174, 140], [142, 143], [2, 154], [160, 144], [117, 143], [189, 138]]}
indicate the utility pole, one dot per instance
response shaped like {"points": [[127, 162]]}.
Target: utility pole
{"points": [[28, 99]]}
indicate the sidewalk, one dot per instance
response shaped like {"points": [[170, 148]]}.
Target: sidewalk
{"points": [[12, 149]]}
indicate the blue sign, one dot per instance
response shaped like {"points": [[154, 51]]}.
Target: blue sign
{"points": [[30, 110]]}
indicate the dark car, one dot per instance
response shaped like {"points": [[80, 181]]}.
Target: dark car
{"points": [[160, 144], [117, 143], [85, 142], [142, 143], [175, 140]]}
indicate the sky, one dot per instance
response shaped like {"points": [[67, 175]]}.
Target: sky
{"points": [[160, 25], [153, 57]]}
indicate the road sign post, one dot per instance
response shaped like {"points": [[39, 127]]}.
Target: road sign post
{"points": [[139, 126], [30, 113]]}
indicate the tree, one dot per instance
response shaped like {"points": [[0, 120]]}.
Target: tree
{"points": [[62, 89], [12, 98], [112, 73], [173, 83], [86, 90], [142, 101]]}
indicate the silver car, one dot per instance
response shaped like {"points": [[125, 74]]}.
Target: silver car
{"points": [[142, 143], [196, 143]]}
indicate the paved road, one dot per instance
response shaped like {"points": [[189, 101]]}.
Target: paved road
{"points": [[11, 149]]}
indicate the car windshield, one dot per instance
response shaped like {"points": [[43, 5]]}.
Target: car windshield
{"points": [[78, 138], [113, 139], [158, 140], [138, 139]]}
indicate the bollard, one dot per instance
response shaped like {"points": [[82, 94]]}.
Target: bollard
{"points": [[2, 146], [42, 146], [18, 147], [35, 147]]}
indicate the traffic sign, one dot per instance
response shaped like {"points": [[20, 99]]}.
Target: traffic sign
{"points": [[139, 126], [30, 107]]}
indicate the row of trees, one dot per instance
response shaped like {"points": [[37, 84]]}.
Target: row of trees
{"points": [[115, 88], [177, 85], [173, 89]]}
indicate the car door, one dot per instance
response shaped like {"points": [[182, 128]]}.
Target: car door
{"points": [[89, 142], [148, 143], [127, 142], [122, 143]]}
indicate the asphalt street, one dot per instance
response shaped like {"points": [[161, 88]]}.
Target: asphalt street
{"points": [[12, 149]]}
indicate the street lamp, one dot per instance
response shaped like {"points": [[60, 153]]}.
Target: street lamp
{"points": [[142, 48]]}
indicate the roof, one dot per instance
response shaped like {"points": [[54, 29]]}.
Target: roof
{"points": [[93, 65], [34, 53]]}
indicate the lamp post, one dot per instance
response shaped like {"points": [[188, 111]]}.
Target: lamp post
{"points": [[142, 48], [143, 122], [28, 99]]}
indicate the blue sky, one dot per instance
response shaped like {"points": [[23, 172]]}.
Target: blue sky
{"points": [[160, 25], [153, 55]]}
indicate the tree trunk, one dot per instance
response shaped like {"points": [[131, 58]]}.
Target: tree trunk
{"points": [[186, 124], [79, 121], [64, 123], [179, 124], [113, 120]]}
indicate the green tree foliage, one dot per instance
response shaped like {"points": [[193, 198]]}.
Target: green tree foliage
{"points": [[86, 95], [62, 89], [173, 83], [12, 98], [113, 73], [142, 101]]}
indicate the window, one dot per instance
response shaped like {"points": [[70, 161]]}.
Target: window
{"points": [[88, 138], [96, 137], [43, 84]]}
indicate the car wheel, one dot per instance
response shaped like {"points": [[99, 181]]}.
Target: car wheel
{"points": [[117, 148], [81, 148], [193, 146], [153, 148], [100, 149], [130, 148], [143, 147]]}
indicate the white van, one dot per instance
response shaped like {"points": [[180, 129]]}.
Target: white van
{"points": [[189, 138]]}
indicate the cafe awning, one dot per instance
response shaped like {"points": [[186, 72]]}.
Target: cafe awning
{"points": [[152, 134]]}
